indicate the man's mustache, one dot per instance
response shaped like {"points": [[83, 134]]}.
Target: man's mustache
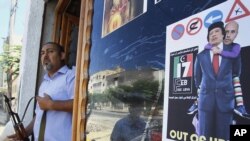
{"points": [[46, 61]]}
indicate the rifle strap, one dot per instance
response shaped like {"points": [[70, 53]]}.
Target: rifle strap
{"points": [[42, 127]]}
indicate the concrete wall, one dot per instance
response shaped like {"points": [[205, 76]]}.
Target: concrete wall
{"points": [[29, 62], [47, 32], [38, 31], [30, 56], [39, 27]]}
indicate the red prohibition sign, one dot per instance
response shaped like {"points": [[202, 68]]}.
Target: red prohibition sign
{"points": [[194, 26]]}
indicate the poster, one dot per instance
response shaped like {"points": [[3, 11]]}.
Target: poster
{"points": [[181, 63], [119, 12], [185, 41]]}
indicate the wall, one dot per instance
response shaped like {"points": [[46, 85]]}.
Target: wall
{"points": [[38, 31]]}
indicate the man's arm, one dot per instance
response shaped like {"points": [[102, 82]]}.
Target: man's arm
{"points": [[116, 132], [29, 128], [237, 66], [233, 53], [46, 103], [197, 72], [208, 46]]}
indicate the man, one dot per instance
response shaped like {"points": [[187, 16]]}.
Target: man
{"points": [[130, 127], [231, 29], [55, 98], [213, 76]]}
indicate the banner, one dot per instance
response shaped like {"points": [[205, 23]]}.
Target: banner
{"points": [[188, 73]]}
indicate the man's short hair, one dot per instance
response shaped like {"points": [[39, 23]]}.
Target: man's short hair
{"points": [[220, 25], [58, 46]]}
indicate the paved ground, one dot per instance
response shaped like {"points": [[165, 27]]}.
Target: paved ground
{"points": [[1, 129], [3, 122], [5, 131]]}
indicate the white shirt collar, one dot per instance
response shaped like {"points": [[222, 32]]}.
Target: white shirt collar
{"points": [[220, 46], [211, 53]]}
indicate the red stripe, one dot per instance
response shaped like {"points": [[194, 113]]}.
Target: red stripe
{"points": [[190, 59]]}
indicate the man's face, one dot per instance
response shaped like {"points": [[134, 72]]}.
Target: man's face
{"points": [[231, 33], [215, 36], [135, 111], [51, 58]]}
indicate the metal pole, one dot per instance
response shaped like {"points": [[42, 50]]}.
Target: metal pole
{"points": [[13, 8]]}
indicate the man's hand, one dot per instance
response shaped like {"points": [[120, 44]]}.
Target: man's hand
{"points": [[45, 102], [14, 137], [216, 50]]}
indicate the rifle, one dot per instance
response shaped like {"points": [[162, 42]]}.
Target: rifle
{"points": [[17, 123]]}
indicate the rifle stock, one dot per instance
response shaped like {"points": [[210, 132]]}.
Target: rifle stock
{"points": [[17, 124]]}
